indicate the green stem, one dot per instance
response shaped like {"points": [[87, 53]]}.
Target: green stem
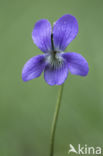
{"points": [[55, 119]]}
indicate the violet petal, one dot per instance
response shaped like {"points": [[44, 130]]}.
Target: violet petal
{"points": [[33, 67], [77, 64], [64, 31], [56, 76], [41, 35]]}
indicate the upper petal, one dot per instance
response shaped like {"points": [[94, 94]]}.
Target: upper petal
{"points": [[77, 64], [41, 35], [64, 31], [33, 68], [56, 76]]}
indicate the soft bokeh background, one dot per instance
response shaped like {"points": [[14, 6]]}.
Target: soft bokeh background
{"points": [[26, 109]]}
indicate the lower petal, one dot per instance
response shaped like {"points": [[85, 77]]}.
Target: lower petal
{"points": [[77, 64], [56, 76], [33, 68]]}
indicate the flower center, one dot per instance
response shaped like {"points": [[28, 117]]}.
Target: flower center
{"points": [[54, 58]]}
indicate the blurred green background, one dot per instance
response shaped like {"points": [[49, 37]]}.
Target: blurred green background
{"points": [[26, 109]]}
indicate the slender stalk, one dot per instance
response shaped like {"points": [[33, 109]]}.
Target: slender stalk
{"points": [[55, 119]]}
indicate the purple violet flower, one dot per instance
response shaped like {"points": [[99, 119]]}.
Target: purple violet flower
{"points": [[54, 62]]}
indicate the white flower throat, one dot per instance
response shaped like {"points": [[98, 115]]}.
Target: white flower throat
{"points": [[54, 58]]}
